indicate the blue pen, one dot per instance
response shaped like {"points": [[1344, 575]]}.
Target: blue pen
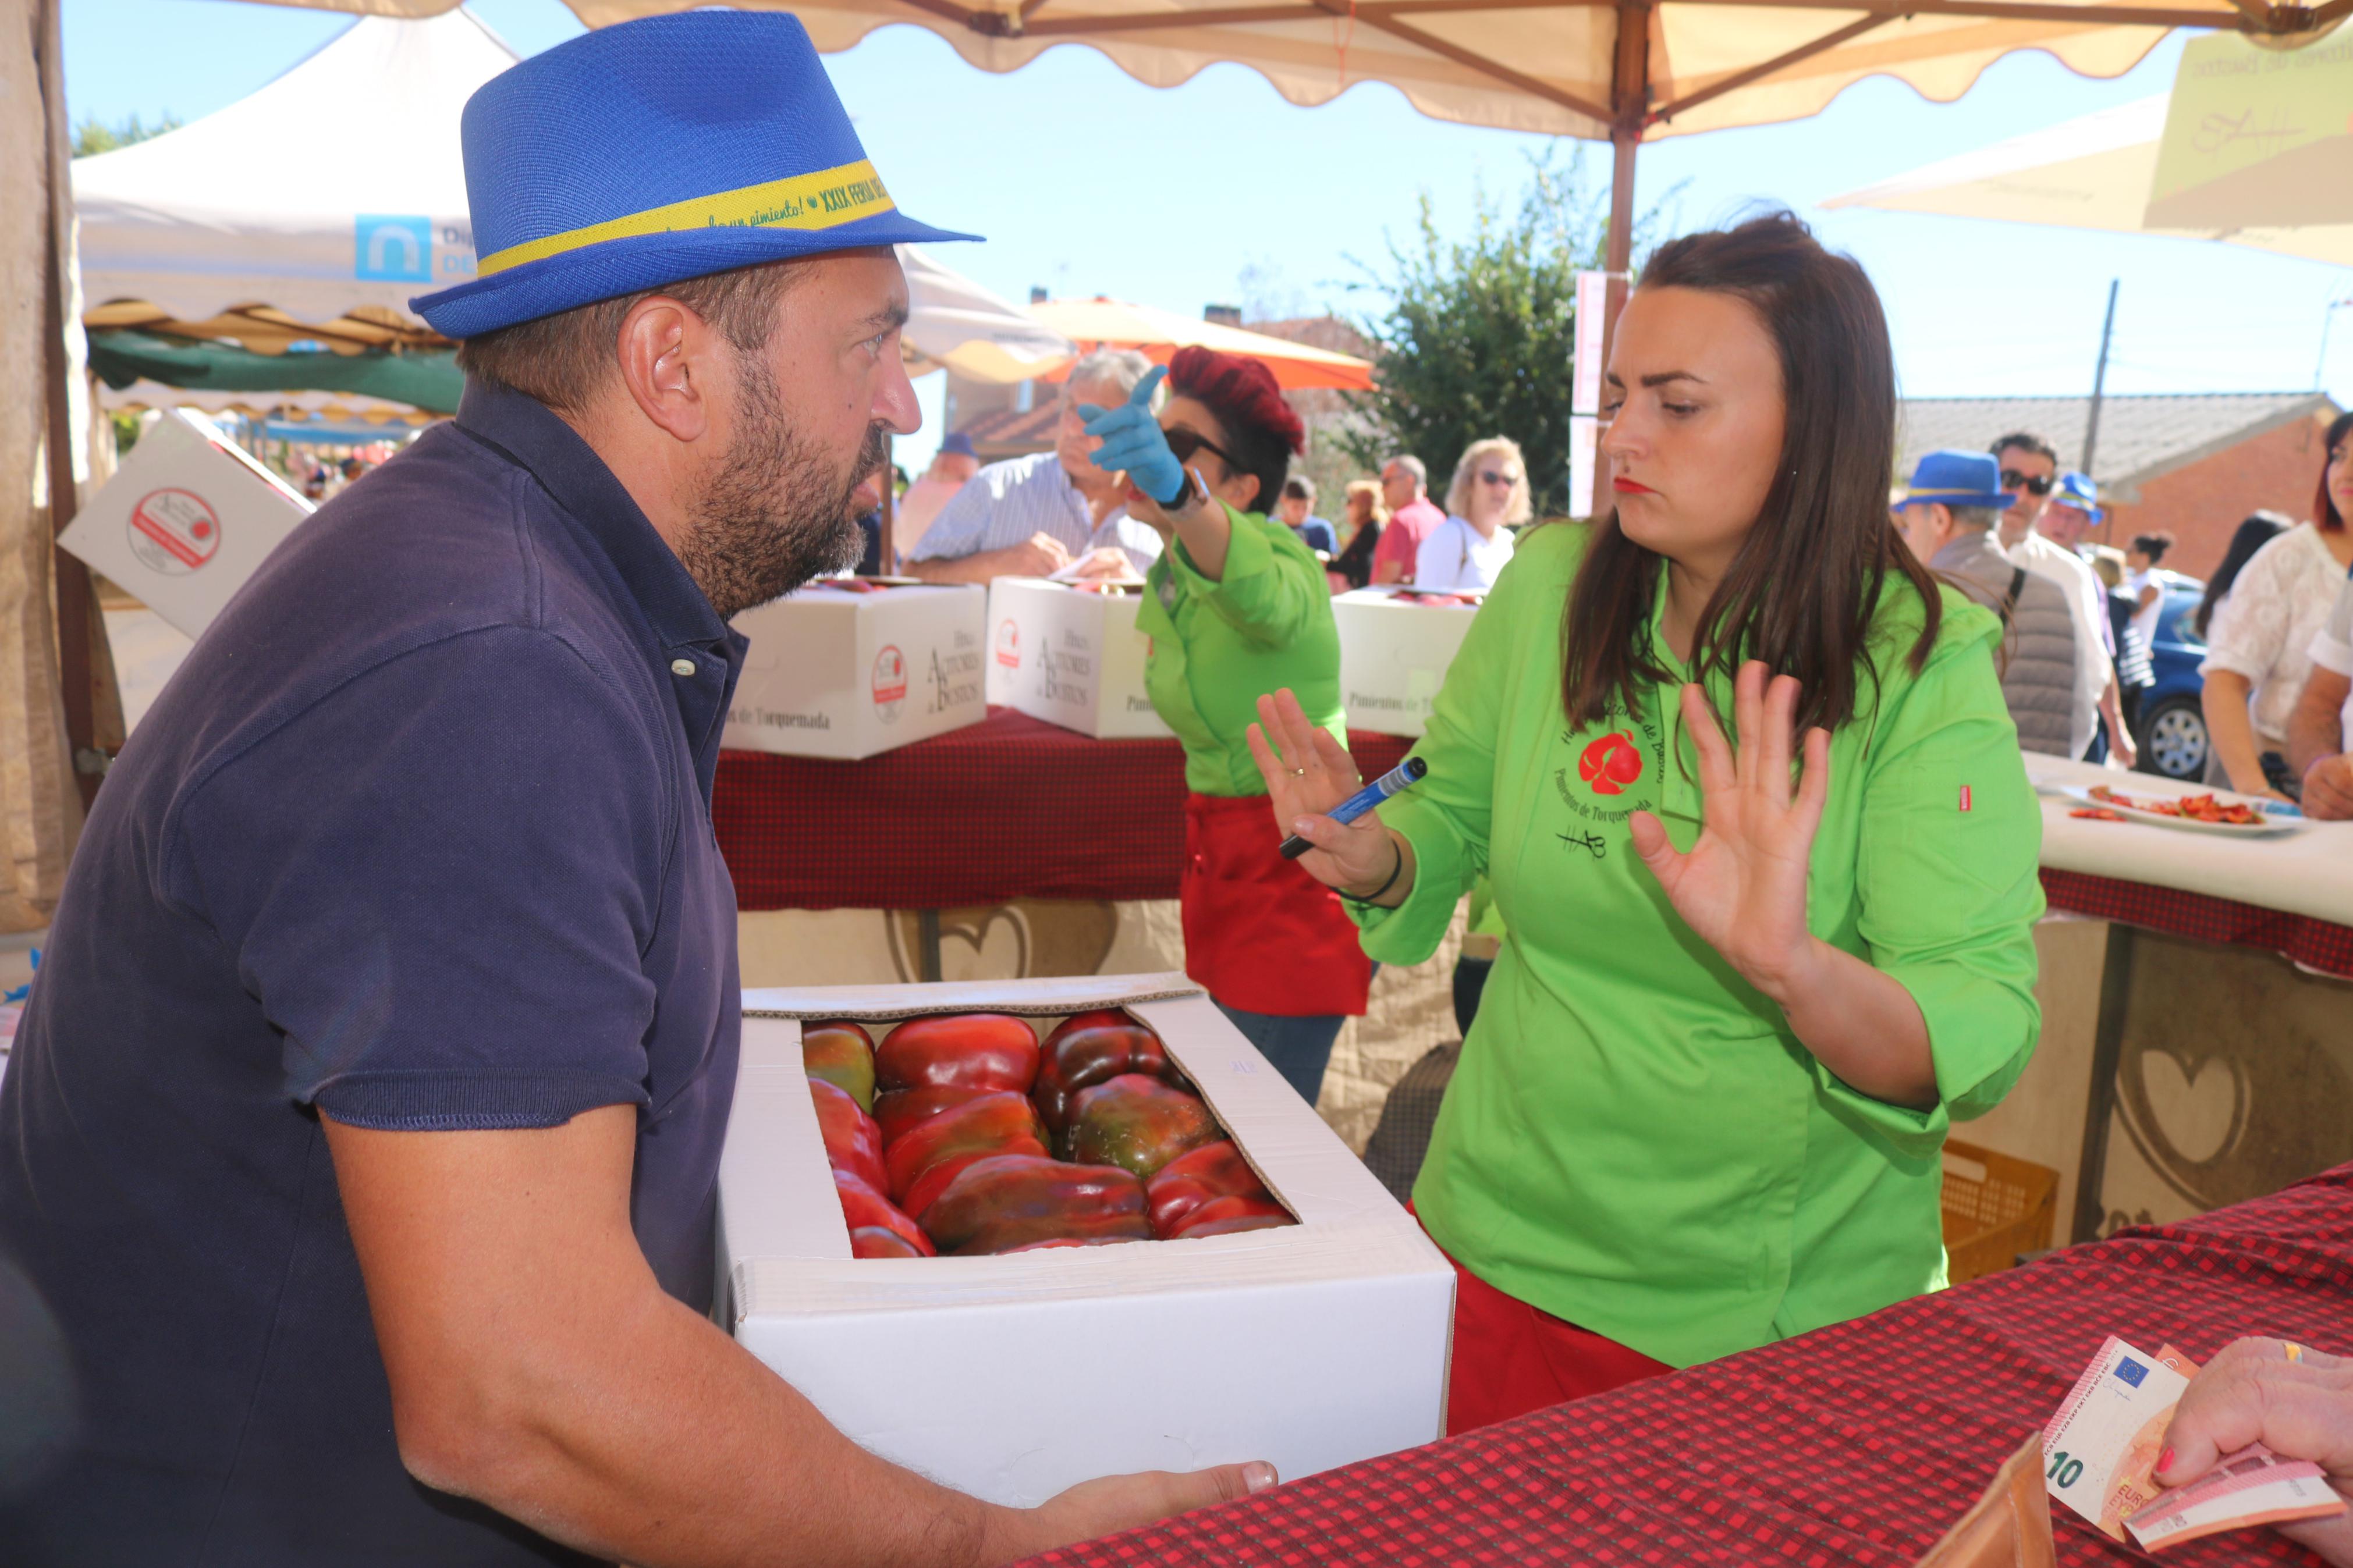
{"points": [[1407, 772]]}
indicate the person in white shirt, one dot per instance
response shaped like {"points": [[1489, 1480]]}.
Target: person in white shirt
{"points": [[2321, 727], [1488, 498], [2258, 648], [2030, 471], [2141, 558], [953, 467]]}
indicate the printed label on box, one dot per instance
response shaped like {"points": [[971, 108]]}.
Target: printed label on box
{"points": [[890, 683], [955, 675], [1009, 644], [173, 531]]}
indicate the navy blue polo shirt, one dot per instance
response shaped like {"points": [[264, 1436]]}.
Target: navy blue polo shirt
{"points": [[419, 836]]}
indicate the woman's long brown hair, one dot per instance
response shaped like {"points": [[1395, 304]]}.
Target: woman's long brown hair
{"points": [[1802, 591]]}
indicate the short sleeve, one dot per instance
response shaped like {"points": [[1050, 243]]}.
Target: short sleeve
{"points": [[2250, 630], [2332, 646], [1948, 887], [438, 883], [962, 524]]}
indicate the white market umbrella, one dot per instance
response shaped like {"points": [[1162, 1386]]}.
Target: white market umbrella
{"points": [[953, 323]]}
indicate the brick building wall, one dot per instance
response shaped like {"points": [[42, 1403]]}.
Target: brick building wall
{"points": [[2203, 502]]}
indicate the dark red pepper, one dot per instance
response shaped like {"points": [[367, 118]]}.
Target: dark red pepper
{"points": [[864, 1207], [878, 1241], [1213, 1171], [927, 1158], [842, 1054], [959, 1050], [901, 1110], [1007, 1201], [1227, 1216], [853, 1141], [1088, 1049], [1136, 1122]]}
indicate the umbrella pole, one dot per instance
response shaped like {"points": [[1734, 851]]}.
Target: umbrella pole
{"points": [[1630, 96]]}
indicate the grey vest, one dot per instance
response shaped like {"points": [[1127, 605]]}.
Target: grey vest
{"points": [[2038, 639]]}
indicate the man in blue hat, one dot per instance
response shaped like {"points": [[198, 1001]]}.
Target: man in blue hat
{"points": [[1947, 518], [358, 1151]]}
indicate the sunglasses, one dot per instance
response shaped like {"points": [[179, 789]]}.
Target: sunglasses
{"points": [[2032, 484], [1185, 443], [1490, 476]]}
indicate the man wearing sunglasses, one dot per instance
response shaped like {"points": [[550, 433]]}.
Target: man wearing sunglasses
{"points": [[2030, 471]]}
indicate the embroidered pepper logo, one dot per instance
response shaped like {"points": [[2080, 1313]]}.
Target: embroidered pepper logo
{"points": [[1610, 763]]}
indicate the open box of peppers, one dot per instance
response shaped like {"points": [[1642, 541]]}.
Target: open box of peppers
{"points": [[966, 1134]]}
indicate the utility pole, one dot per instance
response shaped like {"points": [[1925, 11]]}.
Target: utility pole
{"points": [[2099, 384]]}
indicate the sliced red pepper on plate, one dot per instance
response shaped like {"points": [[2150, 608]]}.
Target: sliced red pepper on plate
{"points": [[864, 1207], [1212, 1171], [959, 1050], [900, 1111], [1136, 1122], [853, 1141], [1007, 1201], [1088, 1049], [842, 1054], [1000, 1122], [1226, 1217]]}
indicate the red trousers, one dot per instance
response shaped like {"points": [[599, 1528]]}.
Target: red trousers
{"points": [[1511, 1358]]}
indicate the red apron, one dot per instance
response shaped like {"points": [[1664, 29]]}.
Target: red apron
{"points": [[1262, 934]]}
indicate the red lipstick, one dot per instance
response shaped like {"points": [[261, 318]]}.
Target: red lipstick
{"points": [[1631, 488]]}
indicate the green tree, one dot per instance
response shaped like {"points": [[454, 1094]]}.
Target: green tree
{"points": [[1479, 333], [94, 135]]}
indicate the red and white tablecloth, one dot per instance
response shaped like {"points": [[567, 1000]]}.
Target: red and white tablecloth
{"points": [[1849, 1448]]}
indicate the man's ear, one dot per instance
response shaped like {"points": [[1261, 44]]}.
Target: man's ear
{"points": [[667, 357]]}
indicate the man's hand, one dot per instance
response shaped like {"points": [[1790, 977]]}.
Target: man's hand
{"points": [[537, 1366], [2328, 788], [1107, 565], [1042, 555]]}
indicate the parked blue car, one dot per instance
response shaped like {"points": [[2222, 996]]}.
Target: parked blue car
{"points": [[2171, 729]]}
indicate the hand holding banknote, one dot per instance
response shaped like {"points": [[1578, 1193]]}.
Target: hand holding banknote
{"points": [[2296, 1402]]}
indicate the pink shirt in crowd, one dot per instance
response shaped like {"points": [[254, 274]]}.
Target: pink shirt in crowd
{"points": [[1402, 535]]}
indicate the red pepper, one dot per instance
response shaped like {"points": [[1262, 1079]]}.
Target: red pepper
{"points": [[1213, 1171], [1010, 1200], [843, 1055], [1226, 1217], [999, 1123], [1063, 1241], [1086, 1049], [1136, 1122], [959, 1050], [864, 1207], [853, 1141], [901, 1110], [878, 1241]]}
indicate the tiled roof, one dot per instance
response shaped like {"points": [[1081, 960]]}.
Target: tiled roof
{"points": [[2141, 437], [1011, 433]]}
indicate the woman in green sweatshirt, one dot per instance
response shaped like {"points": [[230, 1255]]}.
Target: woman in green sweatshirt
{"points": [[1703, 1104]]}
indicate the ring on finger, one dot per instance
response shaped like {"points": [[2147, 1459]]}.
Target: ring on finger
{"points": [[1299, 773]]}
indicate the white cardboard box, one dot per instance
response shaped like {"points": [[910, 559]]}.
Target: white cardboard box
{"points": [[1012, 1377], [836, 672], [1393, 652], [1071, 656], [186, 519]]}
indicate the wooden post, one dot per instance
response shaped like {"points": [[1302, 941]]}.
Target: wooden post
{"points": [[2099, 389]]}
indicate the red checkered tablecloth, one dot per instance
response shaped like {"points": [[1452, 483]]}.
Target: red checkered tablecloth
{"points": [[2316, 943], [1854, 1445], [1008, 809]]}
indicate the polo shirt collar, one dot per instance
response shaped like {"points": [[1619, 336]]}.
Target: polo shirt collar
{"points": [[532, 435]]}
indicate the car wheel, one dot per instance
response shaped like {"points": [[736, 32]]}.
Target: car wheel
{"points": [[2173, 742]]}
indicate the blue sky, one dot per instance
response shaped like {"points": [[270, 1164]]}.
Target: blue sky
{"points": [[1087, 182]]}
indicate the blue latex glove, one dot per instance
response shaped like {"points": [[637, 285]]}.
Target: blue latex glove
{"points": [[1132, 440]]}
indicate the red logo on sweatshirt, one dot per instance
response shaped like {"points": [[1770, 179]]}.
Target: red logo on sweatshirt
{"points": [[1610, 763]]}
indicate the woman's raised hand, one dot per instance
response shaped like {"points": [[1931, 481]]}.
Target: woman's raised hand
{"points": [[1307, 774], [1133, 442], [1743, 886]]}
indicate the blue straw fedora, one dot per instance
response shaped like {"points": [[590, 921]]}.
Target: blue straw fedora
{"points": [[1959, 479], [655, 151], [2078, 490]]}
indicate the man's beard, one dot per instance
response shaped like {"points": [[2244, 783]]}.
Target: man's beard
{"points": [[778, 511]]}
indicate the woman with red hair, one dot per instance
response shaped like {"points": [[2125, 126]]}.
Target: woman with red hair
{"points": [[1238, 607]]}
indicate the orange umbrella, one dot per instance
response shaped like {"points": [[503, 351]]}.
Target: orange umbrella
{"points": [[1100, 323]]}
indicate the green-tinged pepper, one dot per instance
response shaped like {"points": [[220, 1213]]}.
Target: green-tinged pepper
{"points": [[900, 1111], [1008, 1200], [922, 1162], [1227, 1216], [1089, 1049], [842, 1054], [1213, 1171], [1136, 1122], [864, 1207], [959, 1050], [853, 1141]]}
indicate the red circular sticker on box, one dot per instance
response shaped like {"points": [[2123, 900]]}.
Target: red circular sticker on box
{"points": [[890, 681], [173, 531], [1009, 644]]}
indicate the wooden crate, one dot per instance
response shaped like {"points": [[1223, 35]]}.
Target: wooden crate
{"points": [[1996, 1208]]}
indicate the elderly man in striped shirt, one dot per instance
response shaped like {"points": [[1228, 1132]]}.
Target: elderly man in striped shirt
{"points": [[1034, 516]]}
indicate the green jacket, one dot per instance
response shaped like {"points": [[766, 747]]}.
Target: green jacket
{"points": [[1218, 646], [1634, 1140]]}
